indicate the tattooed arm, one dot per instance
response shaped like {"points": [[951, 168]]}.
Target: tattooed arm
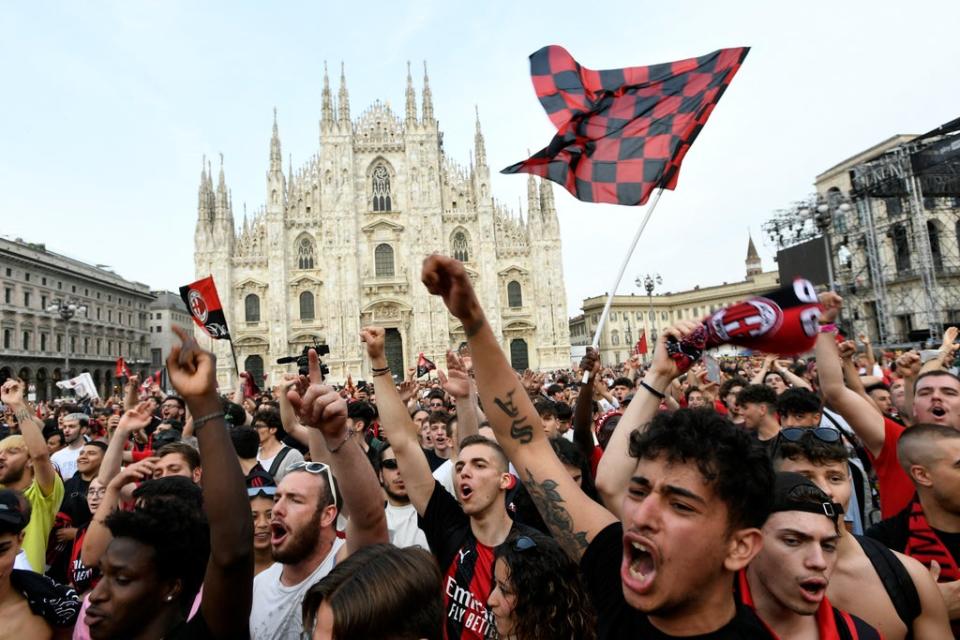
{"points": [[573, 518]]}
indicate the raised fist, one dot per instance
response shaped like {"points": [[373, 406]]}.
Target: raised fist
{"points": [[445, 277]]}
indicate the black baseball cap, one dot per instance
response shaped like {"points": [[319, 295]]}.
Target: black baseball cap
{"points": [[794, 492], [13, 517]]}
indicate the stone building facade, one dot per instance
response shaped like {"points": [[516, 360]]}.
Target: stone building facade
{"points": [[36, 342], [340, 242], [165, 312], [630, 315]]}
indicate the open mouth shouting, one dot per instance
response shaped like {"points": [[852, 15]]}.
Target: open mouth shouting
{"points": [[938, 411], [465, 492], [813, 589], [639, 567], [278, 533]]}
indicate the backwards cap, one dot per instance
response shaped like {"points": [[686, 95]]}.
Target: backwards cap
{"points": [[789, 495]]}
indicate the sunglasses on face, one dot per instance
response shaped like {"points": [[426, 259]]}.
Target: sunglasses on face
{"points": [[316, 468], [823, 434], [390, 463]]}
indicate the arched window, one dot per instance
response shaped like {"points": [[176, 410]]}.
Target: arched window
{"points": [[901, 248], [460, 250], [381, 189], [933, 233], [519, 359], [305, 253], [254, 366], [251, 307], [615, 337], [514, 295], [383, 261], [306, 306]]}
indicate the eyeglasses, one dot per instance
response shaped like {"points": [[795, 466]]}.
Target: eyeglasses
{"points": [[823, 434], [523, 543], [316, 468], [92, 493], [253, 492]]}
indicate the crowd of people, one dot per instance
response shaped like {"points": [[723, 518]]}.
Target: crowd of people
{"points": [[810, 497]]}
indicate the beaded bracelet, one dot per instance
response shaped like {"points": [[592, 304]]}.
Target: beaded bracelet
{"points": [[199, 422]]}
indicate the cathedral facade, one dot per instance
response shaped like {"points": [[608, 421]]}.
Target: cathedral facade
{"points": [[340, 241]]}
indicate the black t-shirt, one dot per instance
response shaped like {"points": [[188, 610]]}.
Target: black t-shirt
{"points": [[194, 629], [466, 564], [75, 500], [433, 459], [616, 619], [894, 532]]}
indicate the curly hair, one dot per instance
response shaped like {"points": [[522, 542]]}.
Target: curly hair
{"points": [[740, 473], [551, 601], [179, 536]]}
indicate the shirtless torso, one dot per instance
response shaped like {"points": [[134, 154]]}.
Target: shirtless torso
{"points": [[855, 586], [19, 622]]}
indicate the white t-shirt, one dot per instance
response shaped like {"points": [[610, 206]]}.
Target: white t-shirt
{"points": [[403, 529], [276, 613], [444, 475], [66, 461], [292, 457]]}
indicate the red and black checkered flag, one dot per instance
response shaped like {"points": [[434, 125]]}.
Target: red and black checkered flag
{"points": [[621, 133]]}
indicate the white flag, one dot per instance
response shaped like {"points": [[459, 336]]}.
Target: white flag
{"points": [[82, 385]]}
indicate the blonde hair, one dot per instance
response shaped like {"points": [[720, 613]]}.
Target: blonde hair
{"points": [[13, 442]]}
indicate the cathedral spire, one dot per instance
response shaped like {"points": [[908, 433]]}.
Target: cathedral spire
{"points": [[546, 197], [427, 97], [222, 183], [533, 194], [411, 99], [754, 265], [204, 211], [344, 97], [480, 148], [276, 160], [326, 112]]}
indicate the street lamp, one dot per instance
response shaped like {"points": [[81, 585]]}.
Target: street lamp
{"points": [[649, 282], [67, 310]]}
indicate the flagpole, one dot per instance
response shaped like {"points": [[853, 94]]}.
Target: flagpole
{"points": [[623, 268], [236, 364]]}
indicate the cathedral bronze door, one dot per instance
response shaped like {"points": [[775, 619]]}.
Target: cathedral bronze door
{"points": [[393, 349]]}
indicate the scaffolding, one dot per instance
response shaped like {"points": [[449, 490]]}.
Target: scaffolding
{"points": [[894, 249]]}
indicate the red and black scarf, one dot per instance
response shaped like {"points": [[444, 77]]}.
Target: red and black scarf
{"points": [[924, 545]]}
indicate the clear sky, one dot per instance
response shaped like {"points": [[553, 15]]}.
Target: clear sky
{"points": [[108, 108]]}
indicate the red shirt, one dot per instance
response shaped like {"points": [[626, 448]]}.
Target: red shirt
{"points": [[896, 489]]}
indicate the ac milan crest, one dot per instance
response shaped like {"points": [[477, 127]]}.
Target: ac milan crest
{"points": [[203, 303]]}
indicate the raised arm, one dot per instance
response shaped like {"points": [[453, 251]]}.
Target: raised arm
{"points": [[457, 383], [130, 393], [868, 352], [617, 466], [130, 421], [573, 518], [792, 379], [863, 416], [583, 411], [320, 407], [228, 581], [11, 394], [398, 426], [762, 372]]}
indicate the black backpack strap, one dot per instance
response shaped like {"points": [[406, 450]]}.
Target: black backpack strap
{"points": [[277, 461], [895, 578]]}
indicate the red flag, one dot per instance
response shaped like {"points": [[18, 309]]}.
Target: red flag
{"points": [[424, 366], [642, 344], [621, 133], [203, 303], [250, 388], [155, 378], [123, 371]]}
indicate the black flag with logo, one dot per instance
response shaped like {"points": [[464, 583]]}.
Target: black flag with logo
{"points": [[424, 366], [203, 303]]}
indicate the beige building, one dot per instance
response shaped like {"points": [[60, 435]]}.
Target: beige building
{"points": [[633, 314], [896, 248], [340, 242], [164, 313], [40, 346]]}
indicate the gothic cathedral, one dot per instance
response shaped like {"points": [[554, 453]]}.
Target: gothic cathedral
{"points": [[340, 242]]}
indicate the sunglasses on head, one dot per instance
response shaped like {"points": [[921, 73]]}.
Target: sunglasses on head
{"points": [[269, 492], [523, 543], [823, 434], [389, 463], [316, 468]]}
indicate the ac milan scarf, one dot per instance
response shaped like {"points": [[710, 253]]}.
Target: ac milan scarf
{"points": [[785, 322], [924, 545]]}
